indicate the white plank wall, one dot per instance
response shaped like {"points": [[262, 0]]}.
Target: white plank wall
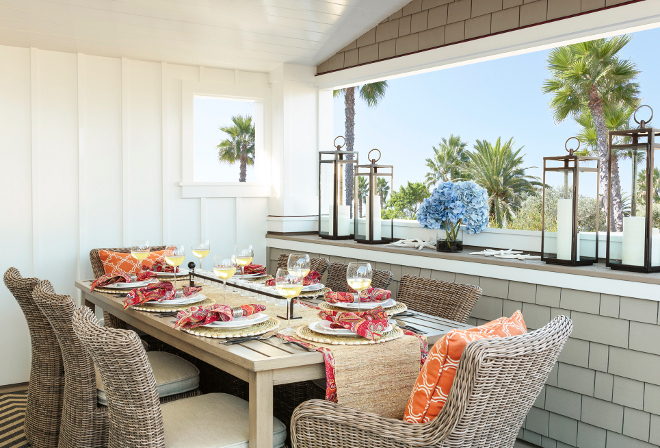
{"points": [[91, 157]]}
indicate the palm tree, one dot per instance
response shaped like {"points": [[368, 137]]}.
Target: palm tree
{"points": [[240, 144], [382, 189], [498, 168], [591, 75], [371, 94], [447, 161], [363, 192]]}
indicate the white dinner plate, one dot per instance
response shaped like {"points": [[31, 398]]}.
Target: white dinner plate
{"points": [[323, 327], [131, 285], [241, 322], [249, 275], [171, 274], [180, 301], [365, 305], [314, 287]]}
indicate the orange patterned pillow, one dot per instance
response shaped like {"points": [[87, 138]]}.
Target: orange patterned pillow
{"points": [[437, 375], [117, 261]]}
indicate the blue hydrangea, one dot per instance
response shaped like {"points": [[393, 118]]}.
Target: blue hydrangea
{"points": [[455, 202]]}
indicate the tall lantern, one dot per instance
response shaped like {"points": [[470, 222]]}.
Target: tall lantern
{"points": [[570, 212], [369, 226], [334, 211], [633, 235]]}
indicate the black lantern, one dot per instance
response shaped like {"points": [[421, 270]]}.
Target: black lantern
{"points": [[335, 221], [633, 236], [570, 211], [369, 226]]}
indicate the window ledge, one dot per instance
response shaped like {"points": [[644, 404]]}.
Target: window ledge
{"points": [[190, 190]]}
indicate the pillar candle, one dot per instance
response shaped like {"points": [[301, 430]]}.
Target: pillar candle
{"points": [[377, 220], [564, 228], [633, 240], [343, 220]]}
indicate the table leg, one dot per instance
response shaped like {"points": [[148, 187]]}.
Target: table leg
{"points": [[90, 305], [261, 409]]}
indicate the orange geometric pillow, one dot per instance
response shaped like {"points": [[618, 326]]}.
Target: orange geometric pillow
{"points": [[117, 261], [434, 382]]}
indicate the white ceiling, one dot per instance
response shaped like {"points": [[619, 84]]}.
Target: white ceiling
{"points": [[238, 34]]}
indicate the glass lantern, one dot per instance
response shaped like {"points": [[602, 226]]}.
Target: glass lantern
{"points": [[335, 220], [633, 228], [370, 228], [570, 215]]}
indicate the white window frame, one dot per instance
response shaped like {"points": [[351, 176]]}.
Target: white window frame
{"points": [[262, 103]]}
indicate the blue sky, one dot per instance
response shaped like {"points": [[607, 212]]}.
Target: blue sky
{"points": [[479, 101]]}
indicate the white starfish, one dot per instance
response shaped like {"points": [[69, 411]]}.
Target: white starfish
{"points": [[414, 242], [497, 253], [519, 256]]}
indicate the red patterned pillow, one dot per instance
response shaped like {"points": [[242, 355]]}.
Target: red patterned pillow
{"points": [[117, 261]]}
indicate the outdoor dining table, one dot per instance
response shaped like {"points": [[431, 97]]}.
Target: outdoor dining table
{"points": [[262, 364]]}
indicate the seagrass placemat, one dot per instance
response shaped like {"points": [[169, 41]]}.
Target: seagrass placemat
{"points": [[223, 333], [392, 310], [310, 335]]}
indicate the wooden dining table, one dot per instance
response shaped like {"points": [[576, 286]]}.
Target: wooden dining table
{"points": [[262, 364]]}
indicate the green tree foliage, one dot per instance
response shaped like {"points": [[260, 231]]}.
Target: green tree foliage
{"points": [[240, 144], [382, 190], [405, 202], [448, 161]]}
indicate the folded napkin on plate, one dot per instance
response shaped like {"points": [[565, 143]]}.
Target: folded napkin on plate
{"points": [[111, 279], [159, 266], [369, 324], [145, 275], [311, 279], [254, 269], [157, 291], [368, 295], [197, 316]]}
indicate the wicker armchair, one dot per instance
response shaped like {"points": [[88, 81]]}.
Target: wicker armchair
{"points": [[137, 419], [453, 301], [337, 278], [44, 402], [496, 384], [97, 267], [317, 264]]}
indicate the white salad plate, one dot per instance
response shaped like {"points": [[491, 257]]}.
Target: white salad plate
{"points": [[241, 322], [249, 275], [365, 305], [323, 327], [131, 285], [314, 287], [171, 274], [179, 300]]}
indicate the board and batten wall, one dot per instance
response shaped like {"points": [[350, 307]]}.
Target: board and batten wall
{"points": [[91, 157], [604, 391]]}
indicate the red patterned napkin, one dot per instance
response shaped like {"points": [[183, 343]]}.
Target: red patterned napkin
{"points": [[368, 295], [254, 269], [145, 275], [156, 291], [336, 297], [111, 279], [312, 278], [197, 316], [368, 324], [159, 266]]}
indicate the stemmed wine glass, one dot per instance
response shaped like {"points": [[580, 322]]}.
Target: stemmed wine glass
{"points": [[244, 255], [358, 276], [300, 263], [224, 268], [140, 249], [200, 249], [174, 256], [289, 284]]}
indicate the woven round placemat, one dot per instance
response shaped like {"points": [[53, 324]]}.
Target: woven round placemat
{"points": [[320, 292], [305, 333], [146, 307], [223, 333], [396, 309]]}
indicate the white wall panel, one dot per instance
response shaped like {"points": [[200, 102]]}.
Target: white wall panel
{"points": [[220, 227], [16, 206]]}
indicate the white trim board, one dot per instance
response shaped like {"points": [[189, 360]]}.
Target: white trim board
{"points": [[600, 285]]}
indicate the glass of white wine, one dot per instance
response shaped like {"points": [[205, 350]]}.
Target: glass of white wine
{"points": [[289, 284], [299, 262], [200, 249], [358, 276], [224, 268], [140, 250], [174, 256], [244, 256]]}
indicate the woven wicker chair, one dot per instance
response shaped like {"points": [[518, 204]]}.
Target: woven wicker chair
{"points": [[97, 267], [137, 419], [496, 384], [453, 301], [317, 264], [46, 389], [337, 278], [84, 421]]}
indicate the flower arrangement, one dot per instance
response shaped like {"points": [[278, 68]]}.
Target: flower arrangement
{"points": [[451, 205]]}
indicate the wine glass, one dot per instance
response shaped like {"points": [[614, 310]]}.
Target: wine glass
{"points": [[174, 256], [358, 276], [300, 263], [200, 249], [244, 255], [224, 268], [289, 284], [140, 249]]}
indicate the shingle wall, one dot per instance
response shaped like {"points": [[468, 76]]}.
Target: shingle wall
{"points": [[426, 24], [605, 390]]}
